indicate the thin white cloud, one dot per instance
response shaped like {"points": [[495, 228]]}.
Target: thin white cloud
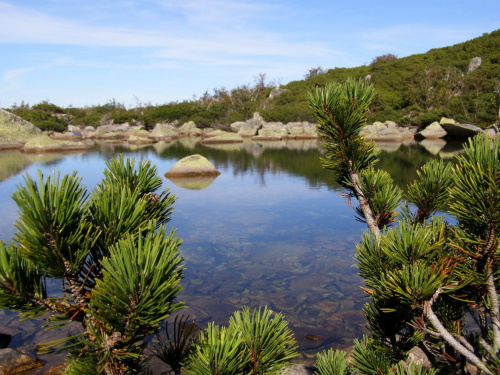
{"points": [[20, 25], [223, 12], [12, 79]]}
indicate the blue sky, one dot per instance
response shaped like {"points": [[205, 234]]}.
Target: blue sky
{"points": [[88, 52]]}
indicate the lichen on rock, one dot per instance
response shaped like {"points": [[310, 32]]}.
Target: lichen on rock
{"points": [[193, 165]]}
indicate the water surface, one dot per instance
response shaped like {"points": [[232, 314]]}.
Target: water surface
{"points": [[272, 230]]}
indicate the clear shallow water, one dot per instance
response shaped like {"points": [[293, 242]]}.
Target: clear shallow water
{"points": [[271, 230]]}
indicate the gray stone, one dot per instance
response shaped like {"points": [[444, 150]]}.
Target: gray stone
{"points": [[417, 356], [73, 128], [391, 124], [138, 140], [445, 120], [380, 132], [111, 128], [433, 131], [250, 127], [301, 130], [298, 369], [66, 136], [14, 362], [223, 138], [460, 130], [272, 131], [190, 128], [474, 64], [277, 91], [164, 131], [214, 133], [14, 130], [43, 143], [236, 126], [193, 165], [490, 133]]}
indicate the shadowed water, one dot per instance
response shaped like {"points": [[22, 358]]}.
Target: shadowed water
{"points": [[272, 230]]}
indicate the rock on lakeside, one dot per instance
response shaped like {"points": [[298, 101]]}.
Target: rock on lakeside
{"points": [[43, 143], [16, 133], [456, 129], [433, 131], [388, 131]]}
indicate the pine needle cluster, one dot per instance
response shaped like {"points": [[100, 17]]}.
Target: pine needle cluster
{"points": [[432, 285]]}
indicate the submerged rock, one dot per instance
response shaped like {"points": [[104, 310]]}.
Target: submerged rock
{"points": [[14, 362], [193, 165], [433, 131]]}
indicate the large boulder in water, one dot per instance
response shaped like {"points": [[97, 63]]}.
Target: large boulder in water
{"points": [[272, 131], [193, 165], [14, 131], [164, 132], [190, 128], [250, 127], [381, 132], [433, 131], [455, 129], [301, 130]]}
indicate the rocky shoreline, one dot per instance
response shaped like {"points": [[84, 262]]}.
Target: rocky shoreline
{"points": [[16, 133]]}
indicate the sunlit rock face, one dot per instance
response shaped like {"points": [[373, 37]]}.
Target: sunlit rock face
{"points": [[433, 131], [14, 131], [43, 143], [193, 165]]}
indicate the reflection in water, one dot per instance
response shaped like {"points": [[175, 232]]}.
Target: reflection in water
{"points": [[433, 146], [14, 161], [271, 230], [192, 182]]}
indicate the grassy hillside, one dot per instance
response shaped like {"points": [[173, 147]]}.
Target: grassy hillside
{"points": [[414, 90]]}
